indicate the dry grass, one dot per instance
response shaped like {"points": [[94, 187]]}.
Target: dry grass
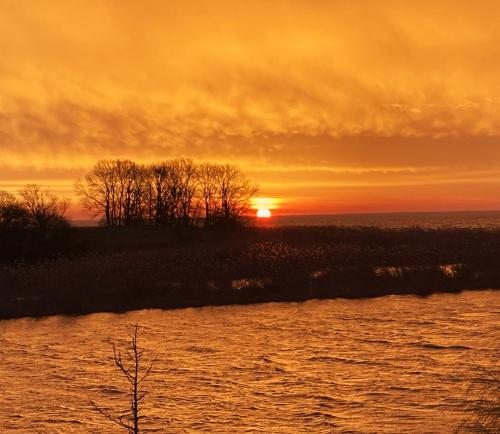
{"points": [[484, 404], [101, 269]]}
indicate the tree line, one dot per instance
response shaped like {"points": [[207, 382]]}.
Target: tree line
{"points": [[35, 207], [172, 193], [177, 192]]}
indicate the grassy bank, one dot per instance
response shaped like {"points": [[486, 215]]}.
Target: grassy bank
{"points": [[83, 270]]}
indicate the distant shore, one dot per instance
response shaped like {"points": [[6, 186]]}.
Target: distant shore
{"points": [[100, 269]]}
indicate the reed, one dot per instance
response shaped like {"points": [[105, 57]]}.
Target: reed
{"points": [[102, 269]]}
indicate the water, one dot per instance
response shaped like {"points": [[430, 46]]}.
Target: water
{"points": [[387, 365], [465, 219], [470, 219]]}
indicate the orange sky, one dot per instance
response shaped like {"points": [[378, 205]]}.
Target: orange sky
{"points": [[332, 106]]}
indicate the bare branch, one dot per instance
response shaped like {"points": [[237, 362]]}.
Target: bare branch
{"points": [[133, 372]]}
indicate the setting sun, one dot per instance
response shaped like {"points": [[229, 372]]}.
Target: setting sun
{"points": [[263, 213]]}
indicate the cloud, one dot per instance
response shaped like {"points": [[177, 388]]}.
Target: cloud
{"points": [[272, 84]]}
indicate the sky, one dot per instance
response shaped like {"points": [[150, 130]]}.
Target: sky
{"points": [[330, 106]]}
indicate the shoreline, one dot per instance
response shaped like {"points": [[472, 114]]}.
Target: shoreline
{"points": [[50, 313], [215, 298]]}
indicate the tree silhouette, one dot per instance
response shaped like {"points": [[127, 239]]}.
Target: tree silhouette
{"points": [[172, 193], [12, 213], [45, 209], [131, 366]]}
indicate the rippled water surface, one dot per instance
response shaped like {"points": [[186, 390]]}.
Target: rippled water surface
{"points": [[392, 364], [470, 219], [464, 219]]}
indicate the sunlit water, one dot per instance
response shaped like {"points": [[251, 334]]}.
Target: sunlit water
{"points": [[467, 219], [392, 364], [471, 219]]}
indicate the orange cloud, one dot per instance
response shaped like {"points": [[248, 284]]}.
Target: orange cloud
{"points": [[304, 95]]}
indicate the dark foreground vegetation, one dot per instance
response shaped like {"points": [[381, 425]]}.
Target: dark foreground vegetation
{"points": [[81, 270], [483, 404]]}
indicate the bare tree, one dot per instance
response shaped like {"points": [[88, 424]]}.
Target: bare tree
{"points": [[170, 193], [45, 209], [208, 174], [118, 190], [235, 191], [133, 368], [96, 191], [186, 176], [131, 192], [174, 187], [12, 213], [6, 199], [159, 181]]}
